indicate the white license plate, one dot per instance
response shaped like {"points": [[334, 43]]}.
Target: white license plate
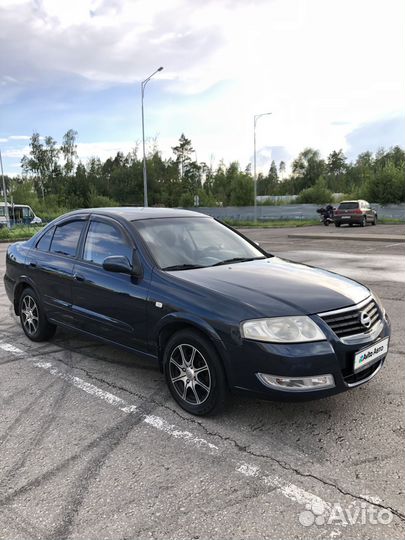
{"points": [[346, 217], [371, 354]]}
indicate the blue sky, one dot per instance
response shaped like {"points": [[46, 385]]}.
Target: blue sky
{"points": [[331, 72]]}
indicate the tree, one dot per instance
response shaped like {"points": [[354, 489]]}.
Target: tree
{"points": [[183, 152], [69, 150], [307, 168], [42, 162], [336, 167]]}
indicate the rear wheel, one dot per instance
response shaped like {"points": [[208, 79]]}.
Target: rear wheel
{"points": [[363, 222], [194, 373], [33, 319]]}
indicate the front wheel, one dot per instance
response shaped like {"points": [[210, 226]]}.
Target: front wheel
{"points": [[33, 319], [374, 222], [194, 373], [337, 224]]}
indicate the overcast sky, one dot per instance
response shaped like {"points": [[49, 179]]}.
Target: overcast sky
{"points": [[330, 71]]}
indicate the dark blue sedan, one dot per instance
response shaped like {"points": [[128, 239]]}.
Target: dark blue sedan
{"points": [[215, 310]]}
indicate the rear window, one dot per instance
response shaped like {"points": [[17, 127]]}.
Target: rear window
{"points": [[66, 238], [348, 205], [45, 241]]}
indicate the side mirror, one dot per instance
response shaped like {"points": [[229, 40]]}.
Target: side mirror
{"points": [[117, 263]]}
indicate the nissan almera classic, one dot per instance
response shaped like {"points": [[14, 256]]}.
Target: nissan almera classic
{"points": [[214, 309]]}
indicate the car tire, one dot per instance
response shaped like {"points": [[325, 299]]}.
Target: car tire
{"points": [[374, 222], [32, 317], [337, 224], [350, 224], [363, 222], [201, 392]]}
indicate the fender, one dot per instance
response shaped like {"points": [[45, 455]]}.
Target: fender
{"points": [[23, 280], [179, 317]]}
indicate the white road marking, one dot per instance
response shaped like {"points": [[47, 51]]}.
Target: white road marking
{"points": [[10, 348], [122, 405], [287, 489], [290, 491]]}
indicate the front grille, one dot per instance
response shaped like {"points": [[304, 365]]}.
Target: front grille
{"points": [[346, 322]]}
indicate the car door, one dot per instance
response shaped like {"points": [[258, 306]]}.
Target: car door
{"points": [[107, 304], [51, 267]]}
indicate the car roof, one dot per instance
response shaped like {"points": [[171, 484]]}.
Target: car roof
{"points": [[133, 213]]}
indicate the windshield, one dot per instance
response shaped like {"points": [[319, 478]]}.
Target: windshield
{"points": [[348, 205], [184, 243]]}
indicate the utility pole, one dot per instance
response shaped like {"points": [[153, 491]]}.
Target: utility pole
{"points": [[145, 176], [255, 119], [4, 193]]}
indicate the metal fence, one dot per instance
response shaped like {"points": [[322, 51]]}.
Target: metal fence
{"points": [[289, 211]]}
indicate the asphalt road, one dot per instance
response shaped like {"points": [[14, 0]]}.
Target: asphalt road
{"points": [[93, 447]]}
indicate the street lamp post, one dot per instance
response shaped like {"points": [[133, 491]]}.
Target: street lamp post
{"points": [[145, 177], [255, 119], [6, 214]]}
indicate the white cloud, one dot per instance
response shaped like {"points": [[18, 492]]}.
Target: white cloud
{"points": [[313, 63]]}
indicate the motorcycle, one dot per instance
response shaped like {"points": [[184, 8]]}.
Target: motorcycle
{"points": [[327, 214]]}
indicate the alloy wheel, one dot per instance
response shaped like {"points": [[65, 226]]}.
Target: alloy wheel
{"points": [[190, 374], [30, 314]]}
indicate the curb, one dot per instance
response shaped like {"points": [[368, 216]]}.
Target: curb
{"points": [[364, 238]]}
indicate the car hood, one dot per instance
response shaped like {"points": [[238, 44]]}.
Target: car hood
{"points": [[276, 287]]}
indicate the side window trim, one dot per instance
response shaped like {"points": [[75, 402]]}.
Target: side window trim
{"points": [[53, 229], [71, 219], [108, 221]]}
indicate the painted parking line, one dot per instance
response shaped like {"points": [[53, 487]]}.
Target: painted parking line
{"points": [[289, 490]]}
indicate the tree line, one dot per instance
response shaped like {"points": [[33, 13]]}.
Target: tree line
{"points": [[53, 179]]}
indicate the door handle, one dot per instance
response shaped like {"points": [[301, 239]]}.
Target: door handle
{"points": [[78, 277]]}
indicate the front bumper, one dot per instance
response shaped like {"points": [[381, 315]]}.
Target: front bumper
{"points": [[248, 359]]}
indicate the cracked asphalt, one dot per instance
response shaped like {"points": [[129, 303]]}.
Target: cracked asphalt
{"points": [[93, 447]]}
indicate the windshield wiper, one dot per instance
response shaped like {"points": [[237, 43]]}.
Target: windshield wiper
{"points": [[183, 267], [237, 259]]}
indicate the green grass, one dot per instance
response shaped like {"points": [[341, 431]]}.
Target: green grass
{"points": [[18, 233], [392, 221], [274, 223]]}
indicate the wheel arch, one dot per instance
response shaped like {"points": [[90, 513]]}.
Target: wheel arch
{"points": [[176, 322], [22, 284]]}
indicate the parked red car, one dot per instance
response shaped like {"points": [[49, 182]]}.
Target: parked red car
{"points": [[355, 212]]}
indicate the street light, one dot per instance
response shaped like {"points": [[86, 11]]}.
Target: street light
{"points": [[145, 178], [255, 119]]}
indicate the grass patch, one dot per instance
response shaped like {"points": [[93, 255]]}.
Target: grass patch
{"points": [[393, 221], [274, 223], [18, 233]]}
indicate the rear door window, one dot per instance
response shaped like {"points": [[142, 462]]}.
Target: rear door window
{"points": [[66, 238]]}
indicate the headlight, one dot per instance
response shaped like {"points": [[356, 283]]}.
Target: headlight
{"points": [[282, 330]]}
